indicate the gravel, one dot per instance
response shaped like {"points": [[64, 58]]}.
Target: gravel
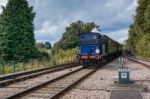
{"points": [[20, 86], [96, 85]]}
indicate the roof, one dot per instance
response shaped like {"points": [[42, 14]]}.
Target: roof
{"points": [[107, 37]]}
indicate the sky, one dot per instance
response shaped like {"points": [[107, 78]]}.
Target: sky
{"points": [[52, 16]]}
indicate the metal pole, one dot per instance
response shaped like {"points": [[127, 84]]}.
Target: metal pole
{"points": [[3, 63], [32, 64], [13, 63], [24, 66], [44, 62], [49, 62], [38, 62]]}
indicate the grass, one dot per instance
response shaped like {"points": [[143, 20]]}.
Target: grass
{"points": [[60, 57], [10, 67]]}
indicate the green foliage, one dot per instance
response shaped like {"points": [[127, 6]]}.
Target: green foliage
{"points": [[64, 55], [42, 52], [69, 38], [47, 45], [139, 32], [17, 31], [39, 45]]}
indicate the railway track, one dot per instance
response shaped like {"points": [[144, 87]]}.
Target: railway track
{"points": [[140, 61], [143, 59], [143, 62], [15, 78], [54, 88]]}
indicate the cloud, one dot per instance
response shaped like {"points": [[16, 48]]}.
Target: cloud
{"points": [[50, 32], [52, 16], [95, 30], [118, 35], [132, 6], [2, 3], [53, 32], [111, 15], [119, 14]]}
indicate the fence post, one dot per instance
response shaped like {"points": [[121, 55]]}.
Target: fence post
{"points": [[38, 62], [32, 64], [14, 66], [49, 62], [44, 61], [3, 63], [24, 66]]}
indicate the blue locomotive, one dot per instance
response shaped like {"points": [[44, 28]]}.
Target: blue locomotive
{"points": [[95, 48]]}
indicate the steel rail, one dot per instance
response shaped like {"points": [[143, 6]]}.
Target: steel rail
{"points": [[59, 93], [63, 91], [41, 85], [56, 80], [29, 75], [140, 58], [135, 60]]}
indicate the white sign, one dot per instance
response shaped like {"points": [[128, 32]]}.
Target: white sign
{"points": [[123, 75]]}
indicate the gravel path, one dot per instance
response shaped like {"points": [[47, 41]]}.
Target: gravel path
{"points": [[95, 86], [139, 72], [20, 86]]}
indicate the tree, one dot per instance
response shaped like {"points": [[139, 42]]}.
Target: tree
{"points": [[69, 38], [17, 31], [48, 45], [139, 32], [39, 45]]}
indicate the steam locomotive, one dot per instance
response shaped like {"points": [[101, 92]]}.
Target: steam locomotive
{"points": [[95, 48]]}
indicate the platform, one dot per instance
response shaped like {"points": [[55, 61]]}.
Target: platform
{"points": [[126, 94]]}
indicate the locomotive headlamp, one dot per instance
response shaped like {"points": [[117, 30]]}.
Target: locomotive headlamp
{"points": [[97, 51]]}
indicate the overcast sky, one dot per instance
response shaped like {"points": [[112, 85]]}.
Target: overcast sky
{"points": [[52, 16]]}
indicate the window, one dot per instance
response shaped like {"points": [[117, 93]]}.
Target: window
{"points": [[88, 39]]}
